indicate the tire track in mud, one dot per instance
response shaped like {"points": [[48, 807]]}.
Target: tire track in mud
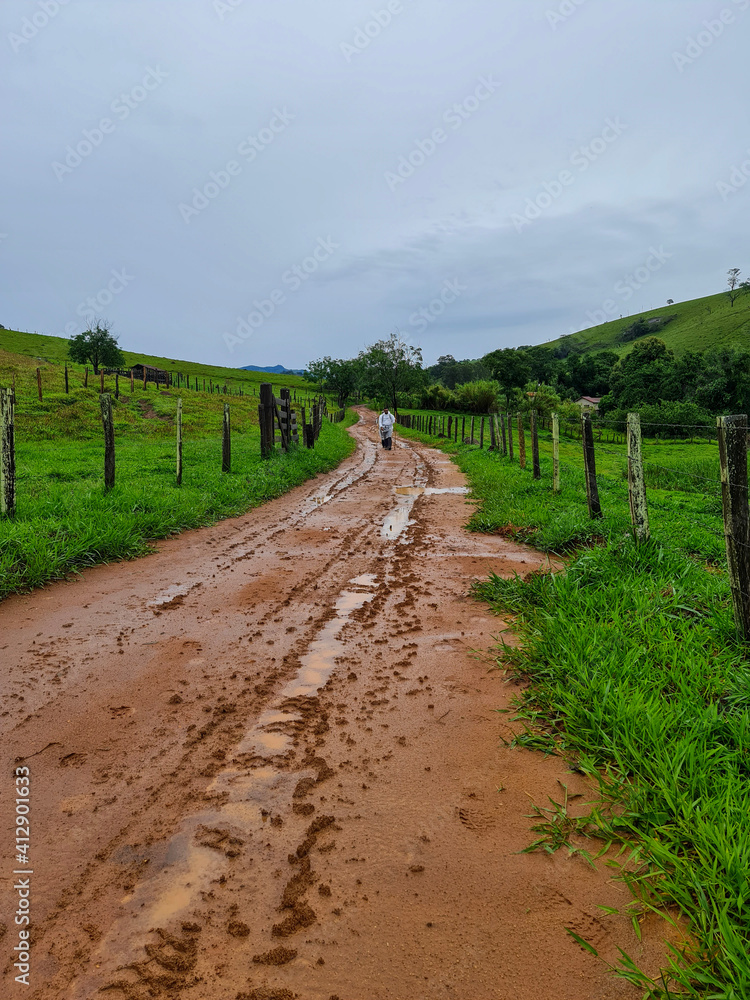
{"points": [[295, 782]]}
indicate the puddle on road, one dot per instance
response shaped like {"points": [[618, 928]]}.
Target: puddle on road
{"points": [[418, 491], [172, 596]]}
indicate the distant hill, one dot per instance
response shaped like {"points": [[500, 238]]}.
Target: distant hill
{"points": [[273, 369], [695, 325]]}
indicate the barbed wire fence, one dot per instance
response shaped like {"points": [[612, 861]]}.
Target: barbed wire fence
{"points": [[727, 493]]}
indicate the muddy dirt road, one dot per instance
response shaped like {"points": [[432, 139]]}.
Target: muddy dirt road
{"points": [[265, 762]]}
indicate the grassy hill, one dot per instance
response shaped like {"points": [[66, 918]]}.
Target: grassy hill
{"points": [[53, 351], [698, 325]]}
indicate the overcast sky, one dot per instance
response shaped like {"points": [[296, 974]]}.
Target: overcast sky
{"points": [[260, 182]]}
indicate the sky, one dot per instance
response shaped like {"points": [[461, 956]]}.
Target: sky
{"points": [[260, 182]]}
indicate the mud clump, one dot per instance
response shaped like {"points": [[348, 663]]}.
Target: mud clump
{"points": [[237, 929], [218, 840], [301, 916], [298, 885], [172, 953], [277, 956], [303, 808], [316, 827], [324, 890]]}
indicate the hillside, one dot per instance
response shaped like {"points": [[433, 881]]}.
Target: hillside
{"points": [[698, 325], [54, 351]]}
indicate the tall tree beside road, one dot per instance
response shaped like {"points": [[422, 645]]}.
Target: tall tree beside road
{"points": [[97, 347], [390, 367]]}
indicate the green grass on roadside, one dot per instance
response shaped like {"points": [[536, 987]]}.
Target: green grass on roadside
{"points": [[65, 521], [633, 672]]}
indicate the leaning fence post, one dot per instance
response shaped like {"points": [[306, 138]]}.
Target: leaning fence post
{"points": [[105, 402], [521, 441], [493, 438], [67, 389], [636, 480], [589, 461], [39, 382], [537, 472], [555, 453], [7, 453], [732, 433], [226, 443], [179, 441]]}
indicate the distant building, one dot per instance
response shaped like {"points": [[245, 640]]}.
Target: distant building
{"points": [[589, 403]]}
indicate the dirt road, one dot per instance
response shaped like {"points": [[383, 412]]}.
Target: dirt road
{"points": [[265, 762]]}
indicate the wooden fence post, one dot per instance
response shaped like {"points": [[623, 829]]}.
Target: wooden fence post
{"points": [[509, 422], [589, 461], [501, 420], [226, 443], [493, 438], [732, 433], [132, 381], [105, 402], [636, 480], [7, 453], [537, 472], [67, 389], [521, 441], [555, 453], [179, 441], [265, 415]]}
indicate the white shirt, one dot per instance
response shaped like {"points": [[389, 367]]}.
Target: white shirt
{"points": [[386, 420]]}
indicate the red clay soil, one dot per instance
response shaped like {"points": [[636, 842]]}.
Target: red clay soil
{"points": [[266, 763]]}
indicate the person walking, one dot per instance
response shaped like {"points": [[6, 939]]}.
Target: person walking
{"points": [[386, 421]]}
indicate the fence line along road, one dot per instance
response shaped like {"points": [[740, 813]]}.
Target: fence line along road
{"points": [[273, 413], [732, 439]]}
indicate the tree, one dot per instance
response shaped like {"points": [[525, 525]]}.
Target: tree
{"points": [[733, 284], [643, 375], [510, 368], [97, 347], [390, 367], [341, 377]]}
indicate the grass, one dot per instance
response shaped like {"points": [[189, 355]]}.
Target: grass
{"points": [[65, 521], [32, 348], [698, 325], [632, 671]]}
